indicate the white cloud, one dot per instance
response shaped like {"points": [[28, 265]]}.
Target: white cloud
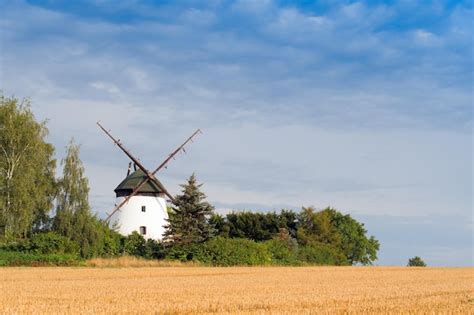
{"points": [[105, 86], [300, 109], [426, 38]]}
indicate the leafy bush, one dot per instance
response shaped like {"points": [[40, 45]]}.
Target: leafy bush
{"points": [[321, 254], [154, 250], [183, 252], [231, 252], [112, 242], [221, 251], [282, 252], [134, 244], [52, 243], [45, 243], [10, 258], [416, 262]]}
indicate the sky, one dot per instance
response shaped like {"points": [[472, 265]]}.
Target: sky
{"points": [[362, 106]]}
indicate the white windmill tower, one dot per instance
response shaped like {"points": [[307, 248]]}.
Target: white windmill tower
{"points": [[140, 204], [145, 212]]}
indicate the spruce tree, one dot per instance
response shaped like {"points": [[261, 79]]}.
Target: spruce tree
{"points": [[188, 221], [73, 215]]}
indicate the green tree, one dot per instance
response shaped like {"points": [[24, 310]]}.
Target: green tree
{"points": [[355, 244], [416, 262], [254, 225], [188, 221], [317, 227], [27, 184], [73, 215], [220, 225]]}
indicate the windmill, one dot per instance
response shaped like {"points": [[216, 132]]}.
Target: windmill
{"points": [[140, 197]]}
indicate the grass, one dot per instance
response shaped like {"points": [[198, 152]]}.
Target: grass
{"points": [[244, 290]]}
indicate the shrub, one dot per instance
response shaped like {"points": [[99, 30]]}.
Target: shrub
{"points": [[134, 244], [231, 252], [321, 254], [111, 241], [154, 249], [282, 252], [45, 243], [183, 252], [221, 251], [416, 262], [10, 258]]}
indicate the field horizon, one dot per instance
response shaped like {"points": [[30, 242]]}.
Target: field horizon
{"points": [[244, 290]]}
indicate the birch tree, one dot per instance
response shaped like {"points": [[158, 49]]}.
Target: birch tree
{"points": [[27, 184]]}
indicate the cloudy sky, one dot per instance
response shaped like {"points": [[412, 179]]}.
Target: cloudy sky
{"points": [[363, 106]]}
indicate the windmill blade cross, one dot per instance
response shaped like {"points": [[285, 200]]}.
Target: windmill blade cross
{"points": [[143, 182], [137, 162]]}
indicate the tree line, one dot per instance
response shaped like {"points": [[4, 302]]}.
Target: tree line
{"points": [[48, 219]]}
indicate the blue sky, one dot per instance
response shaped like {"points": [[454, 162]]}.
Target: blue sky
{"points": [[363, 106]]}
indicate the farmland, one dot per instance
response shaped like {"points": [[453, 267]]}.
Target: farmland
{"points": [[245, 290]]}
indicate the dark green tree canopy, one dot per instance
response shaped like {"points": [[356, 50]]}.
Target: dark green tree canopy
{"points": [[416, 262], [189, 218]]}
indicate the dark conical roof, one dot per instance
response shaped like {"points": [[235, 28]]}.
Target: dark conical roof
{"points": [[151, 187]]}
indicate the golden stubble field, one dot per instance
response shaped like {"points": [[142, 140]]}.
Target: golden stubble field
{"points": [[243, 290]]}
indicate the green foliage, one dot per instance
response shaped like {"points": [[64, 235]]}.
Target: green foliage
{"points": [[219, 224], [189, 220], [73, 215], [282, 252], [331, 227], [221, 251], [134, 245], [346, 238], [49, 243], [321, 254], [183, 252], [14, 258], [254, 225], [317, 227], [41, 249], [154, 250], [27, 184], [110, 241], [416, 262], [355, 244]]}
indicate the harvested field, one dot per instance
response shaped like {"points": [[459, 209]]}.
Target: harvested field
{"points": [[244, 290]]}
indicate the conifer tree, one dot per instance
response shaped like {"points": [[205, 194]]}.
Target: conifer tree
{"points": [[188, 221], [73, 215]]}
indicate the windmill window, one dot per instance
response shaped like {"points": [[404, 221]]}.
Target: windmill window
{"points": [[143, 208], [143, 230]]}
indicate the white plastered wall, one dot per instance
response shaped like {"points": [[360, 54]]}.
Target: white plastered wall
{"points": [[130, 217]]}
